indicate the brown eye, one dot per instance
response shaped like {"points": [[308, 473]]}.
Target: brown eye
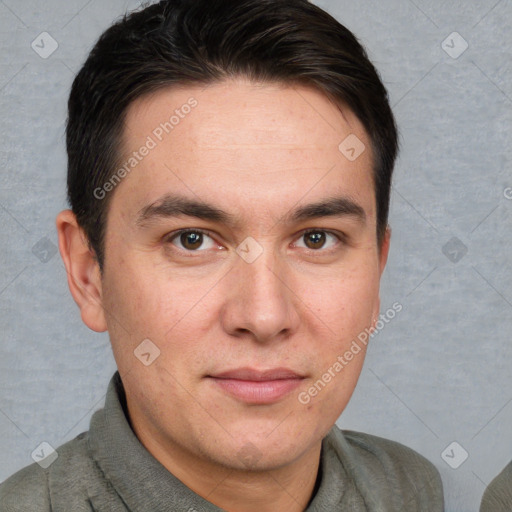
{"points": [[192, 240], [319, 240], [314, 239]]}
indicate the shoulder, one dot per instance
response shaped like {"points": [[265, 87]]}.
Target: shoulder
{"points": [[391, 454], [398, 469], [26, 490], [31, 488], [498, 495]]}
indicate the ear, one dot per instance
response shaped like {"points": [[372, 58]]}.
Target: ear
{"points": [[383, 258], [84, 277], [384, 249]]}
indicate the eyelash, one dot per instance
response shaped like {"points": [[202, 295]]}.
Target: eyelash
{"points": [[172, 236]]}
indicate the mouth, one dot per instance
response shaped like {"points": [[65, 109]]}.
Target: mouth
{"points": [[258, 387]]}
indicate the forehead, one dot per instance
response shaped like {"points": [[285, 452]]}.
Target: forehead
{"points": [[263, 143]]}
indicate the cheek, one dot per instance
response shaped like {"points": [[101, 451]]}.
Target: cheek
{"points": [[345, 304], [135, 311], [146, 301], [170, 310]]}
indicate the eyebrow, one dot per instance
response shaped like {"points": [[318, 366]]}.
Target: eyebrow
{"points": [[332, 207], [170, 206]]}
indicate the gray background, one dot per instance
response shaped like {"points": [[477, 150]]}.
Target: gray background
{"points": [[437, 373]]}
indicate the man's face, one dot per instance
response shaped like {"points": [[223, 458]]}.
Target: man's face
{"points": [[262, 289]]}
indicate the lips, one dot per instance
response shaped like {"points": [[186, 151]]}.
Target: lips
{"points": [[258, 375], [257, 386]]}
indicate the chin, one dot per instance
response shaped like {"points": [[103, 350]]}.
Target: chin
{"points": [[262, 453]]}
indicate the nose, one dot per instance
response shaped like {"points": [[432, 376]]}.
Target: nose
{"points": [[260, 301]]}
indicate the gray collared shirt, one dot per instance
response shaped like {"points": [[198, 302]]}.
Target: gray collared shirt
{"points": [[108, 469]]}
